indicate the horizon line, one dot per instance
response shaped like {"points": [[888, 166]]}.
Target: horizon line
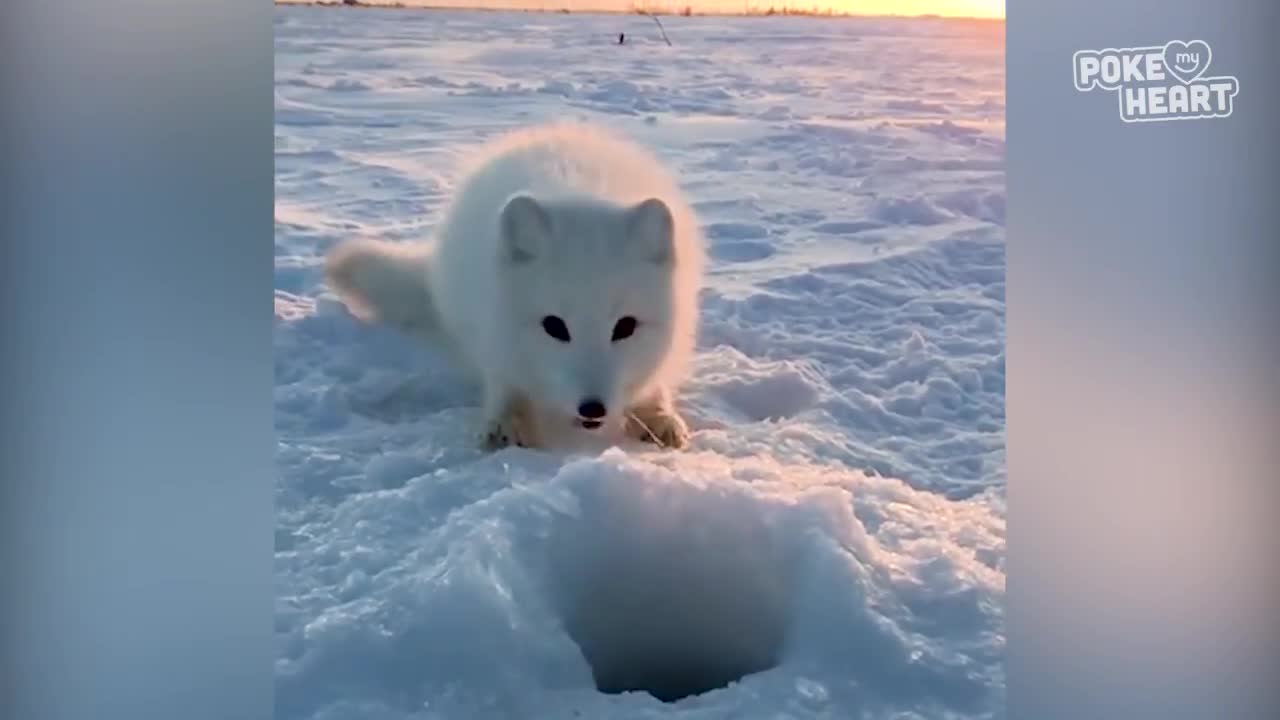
{"points": [[781, 11]]}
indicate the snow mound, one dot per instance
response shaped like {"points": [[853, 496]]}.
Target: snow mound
{"points": [[658, 576]]}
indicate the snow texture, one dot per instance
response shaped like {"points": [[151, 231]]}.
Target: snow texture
{"points": [[832, 546]]}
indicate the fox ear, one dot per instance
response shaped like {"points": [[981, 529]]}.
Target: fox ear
{"points": [[651, 230], [525, 227]]}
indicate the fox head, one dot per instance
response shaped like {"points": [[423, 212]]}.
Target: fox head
{"points": [[589, 301]]}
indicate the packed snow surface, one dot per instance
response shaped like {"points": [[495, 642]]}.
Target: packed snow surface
{"points": [[832, 545]]}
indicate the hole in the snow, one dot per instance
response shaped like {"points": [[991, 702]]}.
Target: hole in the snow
{"points": [[673, 591], [673, 650]]}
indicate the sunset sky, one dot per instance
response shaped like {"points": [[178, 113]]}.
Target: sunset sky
{"points": [[950, 8], [960, 8], [953, 8]]}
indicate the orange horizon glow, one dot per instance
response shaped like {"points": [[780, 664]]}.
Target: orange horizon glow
{"points": [[982, 9], [986, 9]]}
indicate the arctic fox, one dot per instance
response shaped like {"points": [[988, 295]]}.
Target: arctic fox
{"points": [[565, 276]]}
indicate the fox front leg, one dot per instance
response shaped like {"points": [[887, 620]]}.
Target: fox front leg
{"points": [[657, 421], [508, 419]]}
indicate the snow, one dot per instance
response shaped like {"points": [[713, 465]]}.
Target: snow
{"points": [[833, 543]]}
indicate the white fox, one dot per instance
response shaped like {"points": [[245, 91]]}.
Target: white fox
{"points": [[565, 275]]}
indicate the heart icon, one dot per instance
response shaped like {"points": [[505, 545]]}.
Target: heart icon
{"points": [[1187, 61]]}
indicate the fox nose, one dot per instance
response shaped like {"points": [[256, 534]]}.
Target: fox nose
{"points": [[592, 409]]}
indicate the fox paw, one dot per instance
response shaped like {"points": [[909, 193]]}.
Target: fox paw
{"points": [[506, 432], [663, 428]]}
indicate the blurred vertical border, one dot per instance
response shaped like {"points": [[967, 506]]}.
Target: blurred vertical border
{"points": [[1143, 376], [136, 392]]}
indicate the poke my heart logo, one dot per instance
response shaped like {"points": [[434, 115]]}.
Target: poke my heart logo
{"points": [[1158, 83]]}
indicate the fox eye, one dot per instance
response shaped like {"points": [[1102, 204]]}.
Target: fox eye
{"points": [[624, 328], [556, 328]]}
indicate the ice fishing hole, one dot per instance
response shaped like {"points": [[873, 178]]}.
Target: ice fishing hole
{"points": [[672, 593]]}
